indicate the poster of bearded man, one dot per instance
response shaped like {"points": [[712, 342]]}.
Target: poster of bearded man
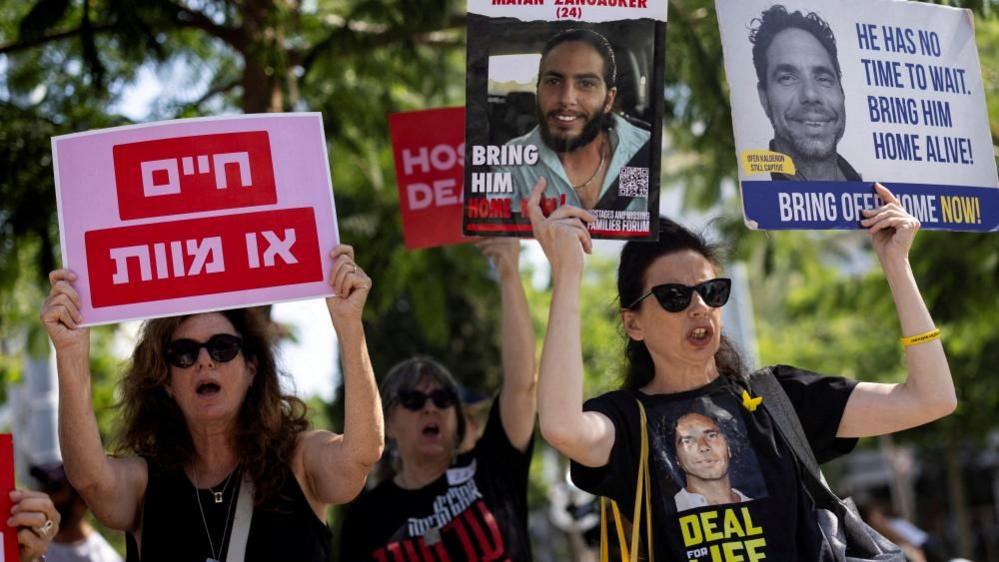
{"points": [[568, 94]]}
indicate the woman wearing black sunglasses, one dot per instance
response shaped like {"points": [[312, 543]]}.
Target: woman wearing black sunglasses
{"points": [[723, 481], [215, 459], [437, 504]]}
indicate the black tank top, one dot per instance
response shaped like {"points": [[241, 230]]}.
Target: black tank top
{"points": [[173, 529]]}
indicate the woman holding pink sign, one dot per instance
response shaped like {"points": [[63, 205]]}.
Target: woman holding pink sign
{"points": [[217, 463]]}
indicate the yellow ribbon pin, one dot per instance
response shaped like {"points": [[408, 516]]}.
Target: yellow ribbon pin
{"points": [[750, 403]]}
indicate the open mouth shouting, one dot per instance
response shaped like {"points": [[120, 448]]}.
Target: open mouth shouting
{"points": [[207, 389], [700, 336], [431, 430]]}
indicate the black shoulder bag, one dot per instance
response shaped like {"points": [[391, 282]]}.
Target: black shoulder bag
{"points": [[846, 535]]}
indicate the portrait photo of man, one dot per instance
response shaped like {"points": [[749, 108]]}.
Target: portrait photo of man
{"points": [[584, 146], [704, 456], [799, 85]]}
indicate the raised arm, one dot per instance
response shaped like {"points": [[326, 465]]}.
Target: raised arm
{"points": [[928, 390], [337, 465], [113, 488], [519, 395], [585, 437]]}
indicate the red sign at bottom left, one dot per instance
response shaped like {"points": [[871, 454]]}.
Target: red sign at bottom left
{"points": [[8, 535]]}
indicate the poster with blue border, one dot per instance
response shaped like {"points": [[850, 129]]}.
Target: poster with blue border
{"points": [[830, 97]]}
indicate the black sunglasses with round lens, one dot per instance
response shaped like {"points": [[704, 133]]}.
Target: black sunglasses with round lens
{"points": [[414, 399], [184, 352], [675, 297]]}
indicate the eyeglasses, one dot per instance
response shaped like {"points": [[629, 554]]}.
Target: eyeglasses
{"points": [[674, 297], [223, 348], [414, 399]]}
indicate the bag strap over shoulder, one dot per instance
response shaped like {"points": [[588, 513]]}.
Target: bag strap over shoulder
{"points": [[241, 524], [859, 535], [629, 549], [779, 406]]}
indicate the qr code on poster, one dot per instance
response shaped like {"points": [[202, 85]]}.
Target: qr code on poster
{"points": [[633, 182]]}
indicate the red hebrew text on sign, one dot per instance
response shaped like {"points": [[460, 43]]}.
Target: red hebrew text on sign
{"points": [[191, 174], [186, 258]]}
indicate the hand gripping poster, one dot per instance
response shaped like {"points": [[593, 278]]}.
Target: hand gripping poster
{"points": [[568, 91], [829, 97]]}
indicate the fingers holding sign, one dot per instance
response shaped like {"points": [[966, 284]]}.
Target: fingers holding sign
{"points": [[563, 235], [36, 520], [60, 313], [891, 227], [350, 286]]}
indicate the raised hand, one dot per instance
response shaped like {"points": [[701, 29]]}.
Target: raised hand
{"points": [[350, 287], [891, 227], [563, 234], [504, 253], [60, 314]]}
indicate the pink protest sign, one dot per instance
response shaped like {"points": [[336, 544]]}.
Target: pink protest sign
{"points": [[195, 215]]}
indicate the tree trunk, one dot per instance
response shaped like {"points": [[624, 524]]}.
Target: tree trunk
{"points": [[261, 81]]}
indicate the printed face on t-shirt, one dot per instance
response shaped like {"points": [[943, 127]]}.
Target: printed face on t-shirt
{"points": [[701, 449]]}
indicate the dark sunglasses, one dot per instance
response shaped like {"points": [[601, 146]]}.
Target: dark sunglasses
{"points": [[414, 399], [674, 297], [223, 348]]}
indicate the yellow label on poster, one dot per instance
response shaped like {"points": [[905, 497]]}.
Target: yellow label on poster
{"points": [[766, 162]]}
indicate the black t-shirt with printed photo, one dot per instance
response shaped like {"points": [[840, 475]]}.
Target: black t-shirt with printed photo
{"points": [[476, 511], [706, 438]]}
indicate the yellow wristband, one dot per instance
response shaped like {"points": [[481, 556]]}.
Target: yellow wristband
{"points": [[921, 338]]}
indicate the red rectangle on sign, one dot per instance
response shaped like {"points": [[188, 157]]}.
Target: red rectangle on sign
{"points": [[8, 534], [429, 149], [205, 256], [189, 174]]}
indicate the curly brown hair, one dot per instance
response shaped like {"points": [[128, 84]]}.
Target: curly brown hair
{"points": [[267, 426]]}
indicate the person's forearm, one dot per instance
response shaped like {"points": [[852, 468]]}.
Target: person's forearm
{"points": [[560, 390], [363, 432], [519, 396], [517, 349], [85, 460], [929, 376]]}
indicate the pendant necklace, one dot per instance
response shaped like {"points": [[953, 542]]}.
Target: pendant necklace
{"points": [[218, 498], [603, 157]]}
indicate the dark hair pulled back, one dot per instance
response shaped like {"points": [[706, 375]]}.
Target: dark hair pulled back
{"points": [[636, 258]]}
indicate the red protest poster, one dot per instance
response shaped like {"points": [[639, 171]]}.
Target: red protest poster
{"points": [[7, 534], [429, 151]]}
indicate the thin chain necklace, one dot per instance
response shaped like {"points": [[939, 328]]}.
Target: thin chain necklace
{"points": [[218, 499], [603, 157], [217, 496]]}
